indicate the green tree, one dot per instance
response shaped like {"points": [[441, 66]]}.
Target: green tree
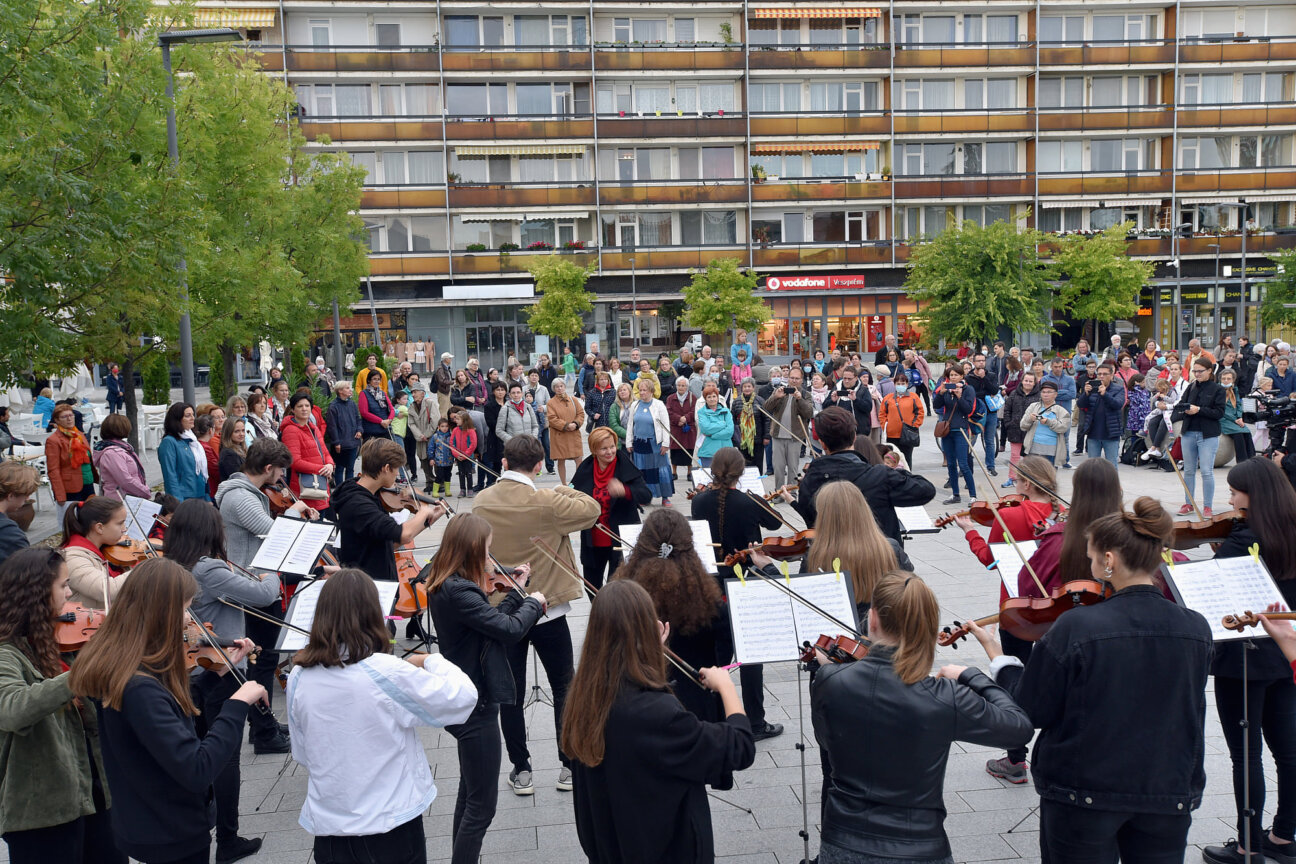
{"points": [[973, 281], [560, 311], [722, 296], [1099, 282], [157, 378], [1278, 300]]}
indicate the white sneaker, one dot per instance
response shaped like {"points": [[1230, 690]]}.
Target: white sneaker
{"points": [[565, 780], [521, 782], [1149, 455]]}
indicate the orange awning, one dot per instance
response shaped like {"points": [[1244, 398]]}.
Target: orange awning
{"points": [[810, 147], [819, 12]]}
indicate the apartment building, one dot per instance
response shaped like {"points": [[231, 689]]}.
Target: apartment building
{"points": [[815, 143]]}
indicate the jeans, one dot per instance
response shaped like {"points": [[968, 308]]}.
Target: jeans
{"points": [[479, 763], [1109, 450], [553, 645], [1271, 709], [403, 844], [596, 560], [1199, 452], [957, 458], [544, 442], [704, 461], [345, 458], [991, 440], [226, 785], [1079, 835]]}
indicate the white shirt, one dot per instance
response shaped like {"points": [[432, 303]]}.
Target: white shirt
{"points": [[353, 728]]}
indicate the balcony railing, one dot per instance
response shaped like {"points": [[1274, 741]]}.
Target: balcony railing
{"points": [[615, 57], [819, 56], [1135, 118], [794, 123], [521, 194], [1238, 49], [964, 120], [1099, 53], [388, 197], [996, 55], [730, 191], [820, 189]]}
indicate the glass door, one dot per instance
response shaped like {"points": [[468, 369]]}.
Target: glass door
{"points": [[804, 335]]}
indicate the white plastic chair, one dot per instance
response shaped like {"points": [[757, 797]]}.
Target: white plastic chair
{"points": [[153, 416]]}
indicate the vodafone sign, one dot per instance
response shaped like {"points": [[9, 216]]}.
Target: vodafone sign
{"points": [[813, 283]]}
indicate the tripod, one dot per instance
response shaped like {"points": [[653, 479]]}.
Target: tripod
{"points": [[538, 694]]}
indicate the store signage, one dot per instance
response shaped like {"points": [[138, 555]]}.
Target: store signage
{"points": [[813, 283]]}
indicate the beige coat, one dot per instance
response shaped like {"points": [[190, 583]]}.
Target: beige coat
{"points": [[559, 411], [517, 512], [88, 578]]}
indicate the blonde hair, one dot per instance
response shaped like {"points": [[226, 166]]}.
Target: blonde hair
{"points": [[907, 610], [845, 530], [1162, 385]]}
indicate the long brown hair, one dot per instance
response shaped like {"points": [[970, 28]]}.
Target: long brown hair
{"points": [[1137, 536], [463, 551], [27, 583], [142, 636], [1095, 492], [1270, 513], [348, 625], [686, 596], [727, 466], [622, 646], [907, 610], [845, 530]]}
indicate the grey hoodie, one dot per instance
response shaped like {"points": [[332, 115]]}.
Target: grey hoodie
{"points": [[216, 580], [245, 510]]}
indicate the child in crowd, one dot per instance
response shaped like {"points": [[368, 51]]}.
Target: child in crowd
{"points": [[741, 370], [441, 458], [463, 441], [1162, 404]]}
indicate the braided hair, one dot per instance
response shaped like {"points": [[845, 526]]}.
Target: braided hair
{"points": [[727, 466]]}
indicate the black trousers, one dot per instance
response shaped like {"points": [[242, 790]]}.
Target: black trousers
{"points": [[1271, 710], [226, 785], [553, 645], [1021, 649], [1079, 835], [1243, 446], [403, 844], [411, 455], [596, 560], [85, 840], [262, 670], [478, 738]]}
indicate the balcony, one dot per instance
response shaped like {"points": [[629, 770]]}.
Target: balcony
{"points": [[372, 128], [935, 55], [402, 198], [731, 191], [1214, 116], [932, 122], [821, 189], [1015, 185], [524, 58], [1229, 244], [670, 258], [1238, 180], [647, 128], [1154, 117], [795, 57], [1110, 184], [521, 195], [409, 264], [1243, 49], [351, 58], [512, 262], [792, 124], [1149, 51], [824, 255], [702, 56]]}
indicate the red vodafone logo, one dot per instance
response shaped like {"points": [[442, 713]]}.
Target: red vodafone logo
{"points": [[812, 283]]}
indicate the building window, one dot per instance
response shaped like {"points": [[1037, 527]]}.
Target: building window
{"points": [[1059, 156], [321, 32], [1061, 91], [1058, 29], [1060, 219], [387, 35]]}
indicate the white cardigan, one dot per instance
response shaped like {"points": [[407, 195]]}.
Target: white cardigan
{"points": [[661, 421]]}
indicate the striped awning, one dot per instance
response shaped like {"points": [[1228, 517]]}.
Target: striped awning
{"points": [[811, 147], [819, 12], [239, 19], [1095, 202], [521, 150], [1235, 199], [1058, 204], [493, 216]]}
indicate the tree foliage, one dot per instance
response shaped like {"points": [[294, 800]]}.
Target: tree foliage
{"points": [[157, 379], [973, 281], [1279, 292], [1099, 280], [723, 296], [563, 302]]}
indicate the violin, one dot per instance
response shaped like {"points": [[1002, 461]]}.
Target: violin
{"points": [[74, 626], [982, 512], [394, 500], [1029, 618], [1251, 619], [778, 548], [949, 637], [840, 649], [126, 553], [1190, 534], [791, 487], [282, 498], [200, 652], [698, 490]]}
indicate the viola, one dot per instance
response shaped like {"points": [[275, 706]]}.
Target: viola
{"points": [[1251, 619], [840, 649], [1190, 534], [199, 651], [982, 512], [411, 598], [778, 548], [74, 626], [394, 500], [126, 553]]}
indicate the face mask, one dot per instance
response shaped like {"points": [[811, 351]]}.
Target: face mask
{"points": [[777, 381], [902, 388], [1228, 386]]}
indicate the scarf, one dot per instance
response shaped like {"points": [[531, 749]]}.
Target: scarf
{"points": [[79, 446], [199, 454], [747, 423], [519, 407], [602, 476]]}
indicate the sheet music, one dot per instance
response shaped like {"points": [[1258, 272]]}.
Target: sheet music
{"points": [[1224, 586], [277, 544], [301, 611], [307, 548], [769, 626], [701, 476], [750, 481], [914, 520], [701, 541], [143, 513], [825, 591], [1009, 563]]}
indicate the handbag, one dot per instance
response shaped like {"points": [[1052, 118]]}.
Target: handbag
{"points": [[942, 428], [314, 487], [994, 402], [909, 433]]}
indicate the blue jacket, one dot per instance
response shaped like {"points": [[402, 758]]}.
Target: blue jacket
{"points": [[114, 385], [1284, 384], [953, 408], [439, 449], [745, 346], [1066, 389], [343, 422], [718, 427], [43, 406], [179, 471], [1102, 419]]}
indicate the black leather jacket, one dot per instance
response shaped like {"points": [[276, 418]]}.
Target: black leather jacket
{"points": [[889, 741], [472, 634]]}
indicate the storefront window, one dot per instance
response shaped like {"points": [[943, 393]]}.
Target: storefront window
{"points": [[773, 338]]}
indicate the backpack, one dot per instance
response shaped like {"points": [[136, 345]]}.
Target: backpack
{"points": [[1133, 448]]}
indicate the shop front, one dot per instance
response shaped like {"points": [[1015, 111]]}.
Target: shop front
{"points": [[812, 312], [1173, 313]]}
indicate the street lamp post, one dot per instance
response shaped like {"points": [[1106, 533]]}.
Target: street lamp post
{"points": [[1219, 327], [634, 307], [165, 41], [1241, 207]]}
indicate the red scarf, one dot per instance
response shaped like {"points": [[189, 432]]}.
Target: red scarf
{"points": [[603, 476], [520, 407], [79, 446], [82, 543]]}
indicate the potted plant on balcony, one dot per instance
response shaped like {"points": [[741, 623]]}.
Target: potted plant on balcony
{"points": [[758, 174], [574, 246], [886, 171], [475, 247], [762, 237], [538, 246], [505, 248]]}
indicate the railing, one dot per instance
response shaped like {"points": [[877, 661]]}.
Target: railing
{"points": [[730, 191], [964, 120], [1083, 119], [1099, 52], [521, 195]]}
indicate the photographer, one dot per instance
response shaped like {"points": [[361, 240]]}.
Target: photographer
{"points": [[1200, 409], [790, 409], [1102, 401]]}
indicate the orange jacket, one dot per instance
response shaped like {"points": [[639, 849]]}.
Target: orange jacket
{"points": [[894, 413], [65, 478]]}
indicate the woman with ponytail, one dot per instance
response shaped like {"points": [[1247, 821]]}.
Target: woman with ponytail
{"points": [[1105, 670], [641, 762], [887, 724], [736, 520], [88, 526]]}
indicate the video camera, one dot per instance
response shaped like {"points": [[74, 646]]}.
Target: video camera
{"points": [[1276, 411]]}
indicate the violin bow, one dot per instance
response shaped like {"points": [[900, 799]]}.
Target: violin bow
{"points": [[474, 461], [508, 574], [1049, 492], [264, 617], [1004, 525], [1184, 484], [674, 659], [801, 440], [752, 568], [229, 665]]}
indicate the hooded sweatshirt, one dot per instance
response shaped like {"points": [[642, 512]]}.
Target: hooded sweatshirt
{"points": [[216, 579], [245, 510]]}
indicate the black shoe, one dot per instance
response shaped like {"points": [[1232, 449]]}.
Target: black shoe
{"points": [[947, 485], [953, 499], [1283, 853], [278, 744], [993, 472], [427, 489], [283, 728], [237, 849], [767, 730], [1227, 854]]}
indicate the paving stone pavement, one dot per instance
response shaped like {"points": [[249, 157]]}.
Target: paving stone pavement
{"points": [[758, 821]]}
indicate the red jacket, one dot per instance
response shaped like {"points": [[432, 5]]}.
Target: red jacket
{"points": [[309, 453], [1021, 521]]}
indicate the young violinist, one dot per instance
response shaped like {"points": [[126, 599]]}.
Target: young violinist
{"points": [[196, 541], [18, 482], [845, 532], [1100, 667], [736, 520], [1036, 478], [53, 797], [1259, 487], [88, 526], [159, 770], [887, 724], [369, 534], [641, 760], [474, 635], [366, 793]]}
